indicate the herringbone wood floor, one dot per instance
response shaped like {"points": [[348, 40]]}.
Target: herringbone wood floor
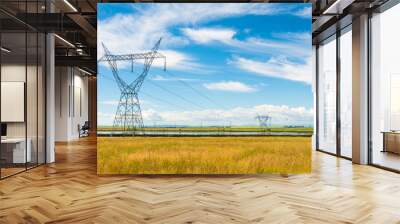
{"points": [[69, 191]]}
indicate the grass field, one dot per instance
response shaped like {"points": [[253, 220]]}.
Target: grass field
{"points": [[205, 129], [203, 155]]}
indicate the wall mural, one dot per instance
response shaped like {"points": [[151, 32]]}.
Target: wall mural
{"points": [[204, 88]]}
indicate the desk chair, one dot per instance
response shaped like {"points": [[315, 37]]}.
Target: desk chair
{"points": [[84, 130]]}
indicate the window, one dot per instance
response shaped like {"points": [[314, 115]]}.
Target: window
{"points": [[327, 96], [385, 89], [346, 92]]}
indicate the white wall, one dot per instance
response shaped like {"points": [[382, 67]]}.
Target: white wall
{"points": [[17, 73], [71, 102], [80, 111], [61, 103], [13, 100]]}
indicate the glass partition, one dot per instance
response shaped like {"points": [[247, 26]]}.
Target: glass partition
{"points": [[327, 95], [346, 93], [31, 98], [13, 94], [22, 88], [41, 97], [385, 89]]}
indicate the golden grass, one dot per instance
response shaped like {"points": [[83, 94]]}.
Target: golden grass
{"points": [[203, 155]]}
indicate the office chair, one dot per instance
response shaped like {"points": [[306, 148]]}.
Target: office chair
{"points": [[84, 130]]}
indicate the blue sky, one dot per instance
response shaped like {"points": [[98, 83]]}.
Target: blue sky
{"points": [[247, 58]]}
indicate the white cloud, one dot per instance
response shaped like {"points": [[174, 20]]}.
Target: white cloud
{"points": [[305, 12], [105, 115], [277, 47], [178, 60], [139, 31], [291, 44], [207, 35], [294, 36], [164, 78], [174, 59], [105, 118], [109, 102], [231, 86], [278, 68], [281, 115], [114, 103]]}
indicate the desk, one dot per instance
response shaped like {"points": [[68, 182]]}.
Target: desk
{"points": [[13, 150], [391, 141]]}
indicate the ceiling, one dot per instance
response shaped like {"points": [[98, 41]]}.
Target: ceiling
{"points": [[75, 22]]}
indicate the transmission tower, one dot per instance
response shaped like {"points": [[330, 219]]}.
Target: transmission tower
{"points": [[264, 120], [128, 116]]}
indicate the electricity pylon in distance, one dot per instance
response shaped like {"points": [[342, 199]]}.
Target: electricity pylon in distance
{"points": [[128, 116], [264, 120]]}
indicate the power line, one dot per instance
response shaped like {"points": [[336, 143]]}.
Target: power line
{"points": [[197, 91], [177, 95], [200, 94], [149, 95], [161, 100]]}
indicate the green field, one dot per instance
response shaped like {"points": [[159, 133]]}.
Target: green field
{"points": [[227, 129], [203, 155]]}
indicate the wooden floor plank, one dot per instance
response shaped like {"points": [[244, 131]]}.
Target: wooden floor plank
{"points": [[69, 191]]}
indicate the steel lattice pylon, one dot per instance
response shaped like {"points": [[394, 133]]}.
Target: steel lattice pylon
{"points": [[128, 116], [264, 120]]}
